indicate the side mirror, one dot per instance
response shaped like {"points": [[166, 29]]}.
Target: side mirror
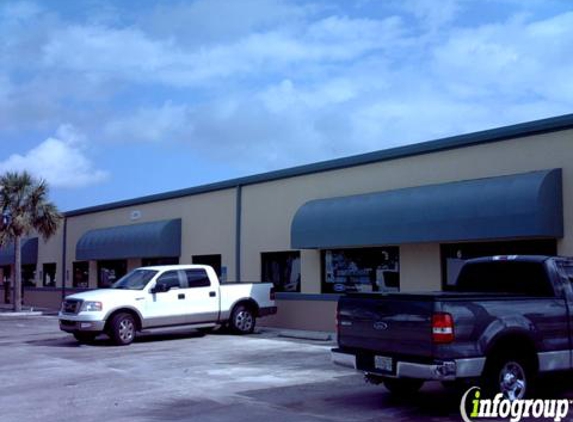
{"points": [[160, 288]]}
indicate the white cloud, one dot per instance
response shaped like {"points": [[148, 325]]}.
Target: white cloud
{"points": [[429, 15], [516, 59], [286, 82], [60, 160], [131, 54], [153, 124], [212, 22]]}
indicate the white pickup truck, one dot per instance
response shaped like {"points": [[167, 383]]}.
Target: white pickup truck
{"points": [[160, 297]]}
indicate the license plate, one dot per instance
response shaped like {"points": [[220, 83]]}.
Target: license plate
{"points": [[383, 363]]}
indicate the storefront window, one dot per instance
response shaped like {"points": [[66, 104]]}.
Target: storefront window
{"points": [[110, 271], [29, 275], [150, 262], [361, 270], [49, 275], [282, 269], [81, 277], [6, 273]]}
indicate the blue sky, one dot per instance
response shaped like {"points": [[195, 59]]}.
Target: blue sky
{"points": [[111, 100]]}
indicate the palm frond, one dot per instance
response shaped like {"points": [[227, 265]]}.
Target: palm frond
{"points": [[25, 200]]}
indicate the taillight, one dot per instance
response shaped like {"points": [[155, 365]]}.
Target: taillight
{"points": [[272, 293], [442, 328]]}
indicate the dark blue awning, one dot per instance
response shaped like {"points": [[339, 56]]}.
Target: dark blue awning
{"points": [[144, 240], [515, 206], [29, 250]]}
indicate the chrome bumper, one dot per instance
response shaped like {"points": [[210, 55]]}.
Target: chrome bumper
{"points": [[344, 359], [77, 326], [441, 371]]}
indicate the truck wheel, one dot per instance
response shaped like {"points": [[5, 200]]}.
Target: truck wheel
{"points": [[122, 329], [513, 376], [403, 386], [242, 320], [85, 338]]}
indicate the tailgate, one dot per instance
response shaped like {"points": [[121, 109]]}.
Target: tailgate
{"points": [[231, 293], [387, 324]]}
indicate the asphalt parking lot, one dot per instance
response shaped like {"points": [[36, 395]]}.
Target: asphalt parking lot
{"points": [[186, 376]]}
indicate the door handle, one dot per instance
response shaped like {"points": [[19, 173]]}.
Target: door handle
{"points": [[212, 294], [181, 296]]}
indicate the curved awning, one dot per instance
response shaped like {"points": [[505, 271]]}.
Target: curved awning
{"points": [[515, 206], [144, 240], [29, 250]]}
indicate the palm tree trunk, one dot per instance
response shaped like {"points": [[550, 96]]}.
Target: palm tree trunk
{"points": [[17, 274]]}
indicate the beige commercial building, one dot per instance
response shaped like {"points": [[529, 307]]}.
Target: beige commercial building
{"points": [[399, 219]]}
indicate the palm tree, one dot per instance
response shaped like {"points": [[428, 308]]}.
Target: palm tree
{"points": [[25, 210]]}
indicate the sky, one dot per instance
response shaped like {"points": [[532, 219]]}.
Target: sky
{"points": [[113, 100]]}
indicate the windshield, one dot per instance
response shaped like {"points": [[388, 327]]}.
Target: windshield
{"points": [[135, 280]]}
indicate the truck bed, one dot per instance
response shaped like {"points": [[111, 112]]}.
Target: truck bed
{"points": [[400, 324], [507, 320]]}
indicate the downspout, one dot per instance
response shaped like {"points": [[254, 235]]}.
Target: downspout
{"points": [[238, 211], [64, 258]]}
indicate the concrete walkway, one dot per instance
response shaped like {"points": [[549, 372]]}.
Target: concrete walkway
{"points": [[7, 309]]}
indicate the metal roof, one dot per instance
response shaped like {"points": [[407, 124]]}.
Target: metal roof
{"points": [[537, 127], [514, 206]]}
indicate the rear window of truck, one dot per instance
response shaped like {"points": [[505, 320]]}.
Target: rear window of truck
{"points": [[518, 278], [197, 278]]}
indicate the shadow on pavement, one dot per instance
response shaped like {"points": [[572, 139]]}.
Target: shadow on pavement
{"points": [[432, 403], [104, 341]]}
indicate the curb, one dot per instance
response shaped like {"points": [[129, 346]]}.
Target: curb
{"points": [[306, 335], [23, 313]]}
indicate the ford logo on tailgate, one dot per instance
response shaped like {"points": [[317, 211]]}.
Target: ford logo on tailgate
{"points": [[379, 325]]}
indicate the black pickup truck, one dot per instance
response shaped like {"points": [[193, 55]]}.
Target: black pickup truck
{"points": [[507, 320]]}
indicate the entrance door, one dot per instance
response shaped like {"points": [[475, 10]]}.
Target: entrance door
{"points": [[6, 282], [213, 261], [6, 273]]}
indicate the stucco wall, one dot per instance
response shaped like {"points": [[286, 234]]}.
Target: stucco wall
{"points": [[303, 315], [207, 226], [50, 251], [268, 208], [208, 220]]}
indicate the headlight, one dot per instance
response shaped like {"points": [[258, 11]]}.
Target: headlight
{"points": [[91, 306]]}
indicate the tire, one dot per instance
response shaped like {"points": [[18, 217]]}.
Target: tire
{"points": [[512, 375], [403, 387], [85, 338], [122, 329], [242, 320]]}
